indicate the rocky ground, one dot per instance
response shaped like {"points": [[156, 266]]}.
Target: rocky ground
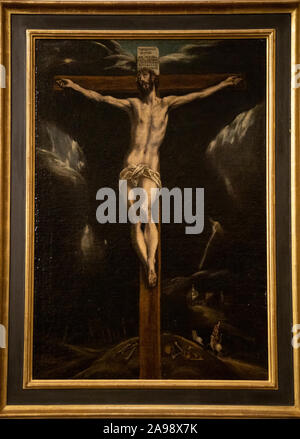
{"points": [[181, 359]]}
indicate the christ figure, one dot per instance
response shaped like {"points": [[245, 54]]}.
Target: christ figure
{"points": [[148, 116]]}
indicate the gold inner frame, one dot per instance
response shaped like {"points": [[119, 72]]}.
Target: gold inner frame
{"points": [[269, 35], [7, 8]]}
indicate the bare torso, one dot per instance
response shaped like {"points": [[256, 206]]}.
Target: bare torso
{"points": [[148, 127], [148, 116]]}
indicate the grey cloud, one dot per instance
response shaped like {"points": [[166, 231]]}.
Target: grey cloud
{"points": [[60, 153], [236, 152]]}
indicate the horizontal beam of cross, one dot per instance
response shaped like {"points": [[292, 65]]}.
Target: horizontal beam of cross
{"points": [[127, 84]]}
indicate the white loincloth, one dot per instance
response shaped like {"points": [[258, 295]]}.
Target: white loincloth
{"points": [[132, 173]]}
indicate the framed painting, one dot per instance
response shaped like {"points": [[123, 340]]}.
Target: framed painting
{"points": [[149, 209]]}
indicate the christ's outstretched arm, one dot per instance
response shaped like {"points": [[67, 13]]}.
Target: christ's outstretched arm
{"points": [[123, 104], [177, 101]]}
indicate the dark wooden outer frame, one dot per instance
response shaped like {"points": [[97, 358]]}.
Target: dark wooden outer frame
{"points": [[111, 8]]}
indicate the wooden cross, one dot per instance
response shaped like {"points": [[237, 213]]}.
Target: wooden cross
{"points": [[149, 301]]}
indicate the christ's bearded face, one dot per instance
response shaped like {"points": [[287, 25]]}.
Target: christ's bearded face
{"points": [[145, 82]]}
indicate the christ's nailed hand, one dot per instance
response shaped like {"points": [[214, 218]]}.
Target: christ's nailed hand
{"points": [[233, 80], [64, 83]]}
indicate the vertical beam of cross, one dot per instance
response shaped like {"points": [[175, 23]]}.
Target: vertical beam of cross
{"points": [[149, 328]]}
